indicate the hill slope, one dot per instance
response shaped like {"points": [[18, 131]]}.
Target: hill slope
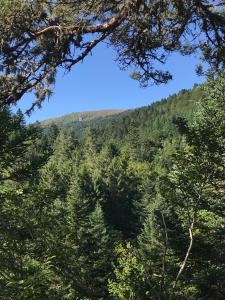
{"points": [[81, 116], [154, 121]]}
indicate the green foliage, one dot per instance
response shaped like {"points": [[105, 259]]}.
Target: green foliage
{"points": [[82, 117], [129, 280], [132, 210], [192, 192], [39, 38]]}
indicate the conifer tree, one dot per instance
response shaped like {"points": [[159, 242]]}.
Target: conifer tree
{"points": [[89, 238], [199, 174], [182, 241], [24, 272], [193, 194]]}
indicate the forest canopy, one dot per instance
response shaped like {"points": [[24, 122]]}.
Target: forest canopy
{"points": [[131, 208], [137, 217]]}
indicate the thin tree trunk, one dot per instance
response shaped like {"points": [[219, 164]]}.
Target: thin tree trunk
{"points": [[187, 254], [165, 251]]}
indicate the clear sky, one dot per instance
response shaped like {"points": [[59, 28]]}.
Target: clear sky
{"points": [[98, 83]]}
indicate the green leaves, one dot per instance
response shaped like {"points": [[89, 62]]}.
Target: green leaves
{"points": [[65, 205], [129, 278], [39, 37]]}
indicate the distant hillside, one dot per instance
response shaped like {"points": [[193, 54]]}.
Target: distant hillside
{"points": [[154, 122], [81, 116]]}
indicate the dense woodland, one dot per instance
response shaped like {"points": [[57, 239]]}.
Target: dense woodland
{"points": [[155, 121], [129, 208]]}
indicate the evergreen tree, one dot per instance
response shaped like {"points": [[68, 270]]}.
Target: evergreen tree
{"points": [[121, 193], [90, 239], [199, 174], [193, 195], [24, 273], [181, 245]]}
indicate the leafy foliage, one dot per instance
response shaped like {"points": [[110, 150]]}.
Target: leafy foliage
{"points": [[134, 213], [39, 37]]}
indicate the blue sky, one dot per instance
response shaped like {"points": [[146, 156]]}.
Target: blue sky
{"points": [[98, 83]]}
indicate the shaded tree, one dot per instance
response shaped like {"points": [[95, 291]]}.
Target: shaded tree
{"points": [[40, 37]]}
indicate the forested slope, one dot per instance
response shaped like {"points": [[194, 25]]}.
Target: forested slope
{"points": [[124, 212], [154, 121], [81, 117], [130, 207]]}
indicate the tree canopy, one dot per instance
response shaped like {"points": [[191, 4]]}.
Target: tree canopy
{"points": [[93, 218], [39, 37]]}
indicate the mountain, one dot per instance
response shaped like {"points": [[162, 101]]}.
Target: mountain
{"points": [[154, 121], [81, 116]]}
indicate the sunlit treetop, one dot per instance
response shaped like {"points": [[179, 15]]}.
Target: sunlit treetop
{"points": [[38, 37]]}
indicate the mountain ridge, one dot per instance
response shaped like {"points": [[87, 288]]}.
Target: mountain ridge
{"points": [[82, 116], [155, 121]]}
